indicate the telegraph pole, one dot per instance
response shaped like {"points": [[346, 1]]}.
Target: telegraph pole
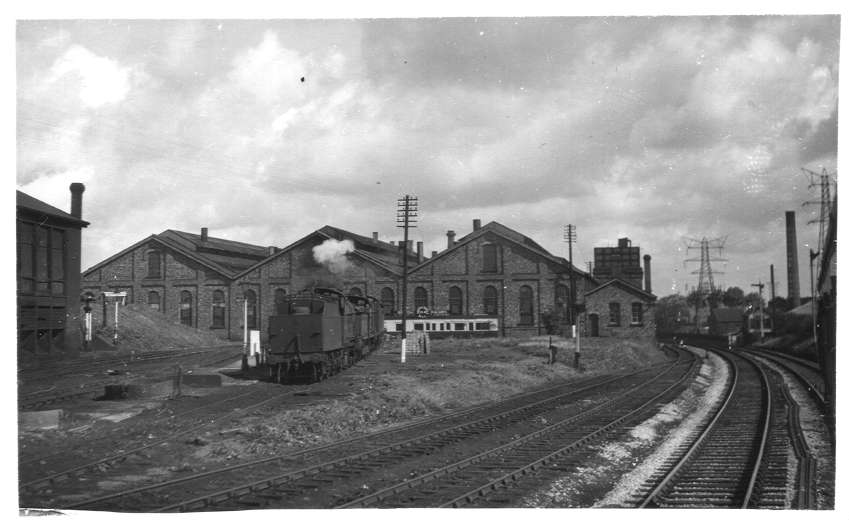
{"points": [[760, 307], [570, 235], [772, 294], [406, 214], [813, 295]]}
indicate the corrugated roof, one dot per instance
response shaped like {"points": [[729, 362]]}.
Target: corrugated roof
{"points": [[25, 201]]}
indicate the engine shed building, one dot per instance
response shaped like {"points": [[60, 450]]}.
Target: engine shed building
{"points": [[498, 273], [48, 276], [188, 277], [493, 281]]}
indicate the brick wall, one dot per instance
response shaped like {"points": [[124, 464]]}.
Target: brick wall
{"points": [[598, 303]]}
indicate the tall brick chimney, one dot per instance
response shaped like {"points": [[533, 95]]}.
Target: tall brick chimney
{"points": [[374, 235], [792, 260], [433, 253], [451, 236], [204, 234], [647, 272], [420, 250], [476, 224], [77, 190]]}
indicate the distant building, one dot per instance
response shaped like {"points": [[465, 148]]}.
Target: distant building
{"points": [[725, 321], [48, 275], [623, 304], [494, 279], [620, 262], [618, 309]]}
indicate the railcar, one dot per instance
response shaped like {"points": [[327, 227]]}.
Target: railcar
{"points": [[318, 333]]}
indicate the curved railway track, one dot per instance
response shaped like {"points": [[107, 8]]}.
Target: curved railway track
{"points": [[738, 457], [808, 373], [285, 477]]}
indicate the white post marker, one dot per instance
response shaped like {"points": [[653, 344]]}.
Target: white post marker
{"points": [[88, 326], [115, 296], [403, 350]]}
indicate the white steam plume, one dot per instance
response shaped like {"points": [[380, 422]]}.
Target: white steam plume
{"points": [[331, 254]]}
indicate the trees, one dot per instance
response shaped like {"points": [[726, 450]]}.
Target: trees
{"points": [[733, 296], [671, 313]]}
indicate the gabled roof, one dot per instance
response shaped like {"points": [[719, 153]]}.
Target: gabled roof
{"points": [[509, 235], [625, 286], [376, 252], [220, 255], [29, 203]]}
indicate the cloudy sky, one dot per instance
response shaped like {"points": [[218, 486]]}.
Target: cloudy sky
{"points": [[652, 128]]}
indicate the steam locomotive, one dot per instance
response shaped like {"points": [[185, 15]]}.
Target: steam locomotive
{"points": [[319, 332]]}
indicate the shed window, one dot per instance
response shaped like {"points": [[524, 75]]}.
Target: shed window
{"points": [[420, 297], [490, 300], [490, 258], [279, 298], [636, 313], [154, 264], [526, 305], [387, 300], [250, 298], [615, 314], [455, 301], [154, 301], [186, 308], [219, 309]]}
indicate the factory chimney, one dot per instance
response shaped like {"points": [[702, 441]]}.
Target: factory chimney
{"points": [[792, 260], [433, 253], [204, 234], [77, 190], [647, 272], [476, 225], [420, 251], [374, 235], [450, 235]]}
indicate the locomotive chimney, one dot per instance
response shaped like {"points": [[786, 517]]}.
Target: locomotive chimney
{"points": [[420, 250], [450, 235], [374, 235], [647, 272], [476, 225], [792, 260], [204, 234], [77, 190]]}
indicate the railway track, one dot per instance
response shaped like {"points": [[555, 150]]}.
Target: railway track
{"points": [[68, 479], [261, 482], [738, 457], [495, 477], [808, 373], [52, 393]]}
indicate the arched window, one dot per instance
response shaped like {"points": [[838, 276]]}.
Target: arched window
{"points": [[186, 308], [561, 303], [250, 297], [490, 258], [219, 309], [420, 298], [490, 300], [455, 301], [355, 291], [526, 305], [279, 298], [154, 264], [387, 299], [154, 301]]}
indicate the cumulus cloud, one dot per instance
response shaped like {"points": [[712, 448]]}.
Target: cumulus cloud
{"points": [[654, 128]]}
